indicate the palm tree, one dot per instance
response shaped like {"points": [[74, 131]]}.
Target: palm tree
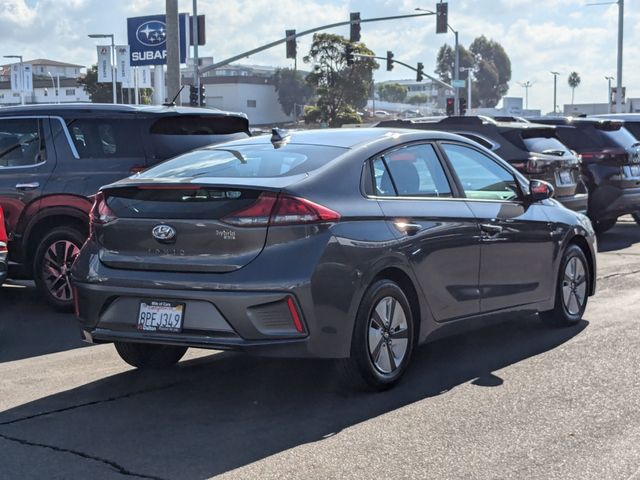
{"points": [[574, 81]]}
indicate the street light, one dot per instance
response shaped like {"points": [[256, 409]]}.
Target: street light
{"points": [[113, 62], [53, 85], [620, 4], [20, 75], [469, 70], [527, 85], [608, 93], [456, 69], [555, 89]]}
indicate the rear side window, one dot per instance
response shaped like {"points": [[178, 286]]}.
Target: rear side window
{"points": [[410, 171], [246, 161], [106, 137], [22, 142]]}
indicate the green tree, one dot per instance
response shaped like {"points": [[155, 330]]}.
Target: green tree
{"points": [[491, 70], [292, 89], [393, 92], [340, 88], [574, 81], [418, 99], [102, 92]]}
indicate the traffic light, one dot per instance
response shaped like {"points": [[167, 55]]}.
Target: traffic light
{"points": [[203, 98], [193, 96], [292, 49], [419, 72], [354, 34], [450, 106], [389, 60], [442, 12], [462, 102], [348, 54]]}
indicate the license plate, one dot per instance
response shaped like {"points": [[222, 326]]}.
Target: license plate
{"points": [[632, 171], [565, 178], [159, 316]]}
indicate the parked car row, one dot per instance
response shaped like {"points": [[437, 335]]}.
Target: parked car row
{"points": [[54, 158], [593, 164], [350, 244]]}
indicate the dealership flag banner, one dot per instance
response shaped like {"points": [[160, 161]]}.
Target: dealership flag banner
{"points": [[144, 77], [123, 65], [22, 81], [105, 74]]}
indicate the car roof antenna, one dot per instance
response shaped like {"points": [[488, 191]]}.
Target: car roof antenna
{"points": [[172, 103]]}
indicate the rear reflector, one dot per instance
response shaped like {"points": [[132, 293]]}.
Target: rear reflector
{"points": [[294, 315], [270, 209]]}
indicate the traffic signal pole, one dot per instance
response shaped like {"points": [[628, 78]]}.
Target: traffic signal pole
{"points": [[302, 34], [410, 67]]}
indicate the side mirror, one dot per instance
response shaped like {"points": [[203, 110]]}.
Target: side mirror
{"points": [[540, 190]]}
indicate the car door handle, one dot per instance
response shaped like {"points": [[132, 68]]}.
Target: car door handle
{"points": [[492, 229], [408, 228], [27, 186]]}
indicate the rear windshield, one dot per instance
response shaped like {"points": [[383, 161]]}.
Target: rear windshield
{"points": [[589, 137], [634, 128], [551, 146], [246, 161], [171, 136]]}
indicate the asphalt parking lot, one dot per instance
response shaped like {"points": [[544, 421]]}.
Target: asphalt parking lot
{"points": [[511, 400]]}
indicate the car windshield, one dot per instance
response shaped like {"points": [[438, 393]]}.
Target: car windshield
{"points": [[246, 161]]}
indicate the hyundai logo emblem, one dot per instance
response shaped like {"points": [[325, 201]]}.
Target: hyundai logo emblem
{"points": [[164, 233], [152, 33]]}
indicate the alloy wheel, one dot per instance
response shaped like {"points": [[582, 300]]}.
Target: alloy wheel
{"points": [[56, 268], [574, 286], [388, 335]]}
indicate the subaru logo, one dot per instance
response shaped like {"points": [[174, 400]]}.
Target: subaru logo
{"points": [[164, 233], [152, 33]]}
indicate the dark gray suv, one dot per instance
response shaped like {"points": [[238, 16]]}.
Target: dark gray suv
{"points": [[348, 244], [53, 158]]}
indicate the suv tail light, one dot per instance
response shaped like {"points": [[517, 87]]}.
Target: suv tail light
{"points": [[271, 209], [3, 247], [100, 213]]}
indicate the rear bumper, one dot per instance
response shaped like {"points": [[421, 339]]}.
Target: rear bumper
{"points": [[608, 201], [577, 203], [251, 321]]}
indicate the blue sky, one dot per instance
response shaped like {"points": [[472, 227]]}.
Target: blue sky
{"points": [[538, 35]]}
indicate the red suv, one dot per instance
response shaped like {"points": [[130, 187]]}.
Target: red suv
{"points": [[53, 158]]}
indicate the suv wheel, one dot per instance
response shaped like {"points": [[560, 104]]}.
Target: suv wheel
{"points": [[383, 339], [572, 290], [145, 355], [52, 263]]}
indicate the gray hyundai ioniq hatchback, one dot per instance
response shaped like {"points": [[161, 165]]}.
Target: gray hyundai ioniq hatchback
{"points": [[351, 244]]}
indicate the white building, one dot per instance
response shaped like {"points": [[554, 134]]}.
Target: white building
{"points": [[47, 76]]}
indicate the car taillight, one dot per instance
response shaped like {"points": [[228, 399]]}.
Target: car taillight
{"points": [[271, 209], [3, 247], [100, 213], [535, 165]]}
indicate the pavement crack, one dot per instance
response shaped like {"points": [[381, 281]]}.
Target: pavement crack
{"points": [[117, 467], [88, 404], [619, 274]]}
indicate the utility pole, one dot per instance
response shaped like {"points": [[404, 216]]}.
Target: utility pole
{"points": [[173, 50], [527, 85], [608, 79], [196, 61], [620, 38], [555, 90]]}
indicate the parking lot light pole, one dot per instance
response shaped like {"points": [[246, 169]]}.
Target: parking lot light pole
{"points": [[113, 60], [555, 90], [456, 67], [21, 76], [608, 79]]}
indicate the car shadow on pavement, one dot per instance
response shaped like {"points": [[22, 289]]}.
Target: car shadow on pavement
{"points": [[29, 327], [217, 413], [623, 235]]}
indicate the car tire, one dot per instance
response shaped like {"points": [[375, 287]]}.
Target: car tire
{"points": [[572, 289], [602, 226], [145, 355], [636, 216], [383, 340], [52, 263]]}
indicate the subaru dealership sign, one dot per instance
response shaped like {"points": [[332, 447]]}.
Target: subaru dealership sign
{"points": [[148, 39]]}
